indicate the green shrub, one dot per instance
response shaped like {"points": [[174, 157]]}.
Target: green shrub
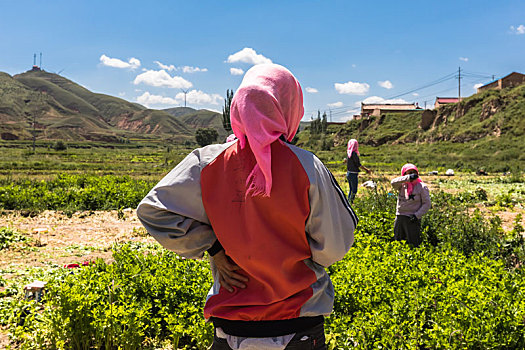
{"points": [[391, 296], [8, 236], [60, 146], [74, 192], [144, 298]]}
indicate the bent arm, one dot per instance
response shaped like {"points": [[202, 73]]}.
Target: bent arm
{"points": [[398, 182], [365, 169], [173, 212]]}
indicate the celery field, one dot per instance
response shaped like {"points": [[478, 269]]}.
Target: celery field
{"points": [[464, 288]]}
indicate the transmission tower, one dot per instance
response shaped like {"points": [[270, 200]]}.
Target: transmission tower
{"points": [[185, 93]]}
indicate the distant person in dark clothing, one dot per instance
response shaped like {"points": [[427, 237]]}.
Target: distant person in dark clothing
{"points": [[353, 165], [413, 202]]}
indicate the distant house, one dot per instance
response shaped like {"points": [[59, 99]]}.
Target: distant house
{"points": [[440, 101], [377, 109], [510, 80]]}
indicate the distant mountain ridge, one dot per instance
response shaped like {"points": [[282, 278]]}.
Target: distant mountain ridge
{"points": [[62, 109]]}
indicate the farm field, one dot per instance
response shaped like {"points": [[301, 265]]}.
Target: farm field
{"points": [[465, 288]]}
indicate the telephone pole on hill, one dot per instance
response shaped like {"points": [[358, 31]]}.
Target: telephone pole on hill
{"points": [[459, 84]]}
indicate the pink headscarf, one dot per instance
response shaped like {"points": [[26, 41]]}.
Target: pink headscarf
{"points": [[268, 104], [410, 184], [353, 146]]}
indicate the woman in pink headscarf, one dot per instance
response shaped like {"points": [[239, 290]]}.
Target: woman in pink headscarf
{"points": [[270, 215], [413, 202], [353, 164]]}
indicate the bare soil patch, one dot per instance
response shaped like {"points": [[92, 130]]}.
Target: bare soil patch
{"points": [[57, 239]]}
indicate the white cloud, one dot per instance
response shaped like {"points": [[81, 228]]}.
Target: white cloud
{"points": [[197, 97], [335, 104], [122, 94], [352, 88], [184, 69], [518, 30], [311, 90], [415, 94], [236, 71], [386, 84], [193, 97], [169, 68], [248, 55], [379, 100], [354, 65], [348, 115], [464, 59], [162, 79], [132, 63], [148, 99], [188, 69], [476, 86]]}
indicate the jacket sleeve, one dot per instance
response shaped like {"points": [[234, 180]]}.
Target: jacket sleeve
{"points": [[331, 223], [425, 202], [398, 182], [173, 212]]}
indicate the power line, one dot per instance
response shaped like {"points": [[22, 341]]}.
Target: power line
{"points": [[451, 76], [427, 85]]}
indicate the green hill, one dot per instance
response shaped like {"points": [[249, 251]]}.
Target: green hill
{"points": [[62, 109], [485, 130], [202, 118], [492, 113]]}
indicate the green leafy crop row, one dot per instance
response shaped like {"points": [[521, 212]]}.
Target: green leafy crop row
{"points": [[73, 192], [146, 297], [464, 288]]}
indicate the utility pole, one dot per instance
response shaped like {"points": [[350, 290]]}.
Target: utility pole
{"points": [[34, 130], [40, 60], [459, 84]]}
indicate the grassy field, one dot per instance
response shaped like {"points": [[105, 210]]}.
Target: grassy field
{"points": [[17, 159]]}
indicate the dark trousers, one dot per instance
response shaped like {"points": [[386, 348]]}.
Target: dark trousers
{"points": [[352, 183], [312, 338], [406, 230]]}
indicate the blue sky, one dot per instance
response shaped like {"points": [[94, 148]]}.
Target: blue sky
{"points": [[342, 52]]}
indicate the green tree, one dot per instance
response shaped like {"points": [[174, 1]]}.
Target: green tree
{"points": [[315, 125], [206, 136], [60, 146], [226, 111], [324, 124]]}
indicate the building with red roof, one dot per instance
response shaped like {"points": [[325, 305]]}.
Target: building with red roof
{"points": [[440, 101]]}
